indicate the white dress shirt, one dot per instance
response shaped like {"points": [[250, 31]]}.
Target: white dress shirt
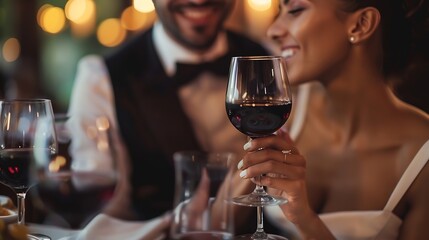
{"points": [[202, 101]]}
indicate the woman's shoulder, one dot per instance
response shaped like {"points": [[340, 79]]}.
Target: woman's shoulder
{"points": [[412, 122], [414, 131], [416, 122]]}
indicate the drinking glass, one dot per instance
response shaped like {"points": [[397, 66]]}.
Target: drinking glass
{"points": [[202, 196], [27, 136], [80, 181], [258, 103]]}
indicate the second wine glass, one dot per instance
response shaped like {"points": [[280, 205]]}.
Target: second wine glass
{"points": [[258, 103], [27, 136], [80, 181]]}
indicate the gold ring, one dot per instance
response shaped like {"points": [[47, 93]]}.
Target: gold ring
{"points": [[285, 153]]}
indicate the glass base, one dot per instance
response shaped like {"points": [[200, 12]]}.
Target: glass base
{"points": [[38, 236], [262, 237], [258, 200]]}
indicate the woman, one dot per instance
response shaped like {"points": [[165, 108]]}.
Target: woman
{"points": [[356, 142]]}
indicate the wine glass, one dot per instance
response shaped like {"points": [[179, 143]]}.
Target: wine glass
{"points": [[27, 136], [72, 185], [258, 103]]}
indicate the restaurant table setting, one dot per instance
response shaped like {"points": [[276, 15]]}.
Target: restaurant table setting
{"points": [[101, 226], [106, 227], [202, 207]]}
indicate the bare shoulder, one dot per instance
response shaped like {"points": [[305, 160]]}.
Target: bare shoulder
{"points": [[417, 197], [415, 137], [415, 125], [411, 131]]}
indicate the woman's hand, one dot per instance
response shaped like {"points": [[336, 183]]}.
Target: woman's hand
{"points": [[283, 171], [282, 168]]}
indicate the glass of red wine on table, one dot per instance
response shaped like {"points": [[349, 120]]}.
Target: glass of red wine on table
{"points": [[71, 186], [258, 103], [27, 136]]}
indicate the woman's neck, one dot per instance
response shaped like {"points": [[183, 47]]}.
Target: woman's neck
{"points": [[354, 103]]}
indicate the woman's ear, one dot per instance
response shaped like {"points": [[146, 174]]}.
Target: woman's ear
{"points": [[363, 23]]}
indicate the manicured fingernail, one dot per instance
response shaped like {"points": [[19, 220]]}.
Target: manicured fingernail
{"points": [[243, 173], [240, 164], [247, 145]]}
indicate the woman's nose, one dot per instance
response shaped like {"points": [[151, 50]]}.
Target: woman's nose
{"points": [[277, 30]]}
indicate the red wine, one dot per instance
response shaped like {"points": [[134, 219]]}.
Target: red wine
{"points": [[76, 196], [208, 235], [258, 119], [15, 167]]}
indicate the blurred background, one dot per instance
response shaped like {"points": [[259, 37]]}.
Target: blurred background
{"points": [[41, 41]]}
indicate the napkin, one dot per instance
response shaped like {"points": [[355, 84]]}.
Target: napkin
{"points": [[108, 228]]}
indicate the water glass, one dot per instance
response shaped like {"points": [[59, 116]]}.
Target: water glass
{"points": [[202, 196]]}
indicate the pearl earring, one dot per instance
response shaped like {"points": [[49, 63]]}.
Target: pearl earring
{"points": [[352, 39]]}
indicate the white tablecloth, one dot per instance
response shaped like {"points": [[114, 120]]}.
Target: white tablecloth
{"points": [[109, 228]]}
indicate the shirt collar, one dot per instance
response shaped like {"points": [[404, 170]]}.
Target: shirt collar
{"points": [[170, 51]]}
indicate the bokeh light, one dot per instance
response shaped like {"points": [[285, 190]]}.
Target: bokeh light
{"points": [[51, 19], [260, 5], [132, 19], [80, 11], [82, 16], [11, 50], [110, 33], [144, 6], [40, 12]]}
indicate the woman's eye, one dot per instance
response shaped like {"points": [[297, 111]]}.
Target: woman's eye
{"points": [[295, 10]]}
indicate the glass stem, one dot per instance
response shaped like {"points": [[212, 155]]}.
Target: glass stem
{"points": [[259, 189], [21, 207], [260, 233]]}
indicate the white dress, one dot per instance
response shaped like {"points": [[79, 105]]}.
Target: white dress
{"points": [[378, 224]]}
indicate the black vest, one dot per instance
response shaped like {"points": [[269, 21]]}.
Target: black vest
{"points": [[151, 120]]}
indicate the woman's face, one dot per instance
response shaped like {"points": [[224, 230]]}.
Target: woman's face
{"points": [[312, 36]]}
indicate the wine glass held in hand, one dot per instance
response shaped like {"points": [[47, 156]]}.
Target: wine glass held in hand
{"points": [[27, 136], [258, 103], [67, 186]]}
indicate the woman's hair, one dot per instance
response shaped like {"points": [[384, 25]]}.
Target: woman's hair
{"points": [[405, 30]]}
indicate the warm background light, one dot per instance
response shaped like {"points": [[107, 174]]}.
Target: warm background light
{"points": [[132, 19], [110, 32], [82, 16], [144, 6], [80, 11], [259, 14], [67, 30], [40, 12], [260, 5], [11, 50], [52, 19]]}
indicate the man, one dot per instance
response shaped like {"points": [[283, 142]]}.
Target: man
{"points": [[158, 105]]}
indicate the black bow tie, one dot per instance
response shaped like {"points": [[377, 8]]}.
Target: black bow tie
{"points": [[186, 72]]}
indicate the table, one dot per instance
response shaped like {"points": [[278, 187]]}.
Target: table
{"points": [[55, 233]]}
